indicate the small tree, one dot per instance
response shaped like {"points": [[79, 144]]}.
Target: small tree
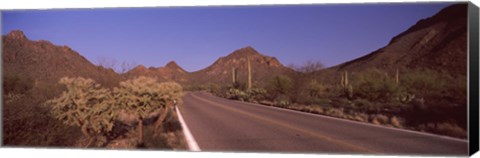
{"points": [[107, 62], [143, 95], [86, 105], [309, 66], [126, 66]]}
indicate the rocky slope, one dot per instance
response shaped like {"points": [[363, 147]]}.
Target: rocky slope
{"points": [[45, 63], [437, 43]]}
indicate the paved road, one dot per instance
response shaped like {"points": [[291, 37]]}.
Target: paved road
{"points": [[219, 124]]}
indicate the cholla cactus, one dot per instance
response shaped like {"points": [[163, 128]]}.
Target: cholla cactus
{"points": [[86, 105], [143, 95], [171, 92]]}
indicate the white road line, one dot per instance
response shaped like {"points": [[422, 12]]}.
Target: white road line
{"points": [[356, 122], [192, 144]]}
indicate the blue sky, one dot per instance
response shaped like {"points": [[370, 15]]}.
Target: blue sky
{"points": [[195, 37]]}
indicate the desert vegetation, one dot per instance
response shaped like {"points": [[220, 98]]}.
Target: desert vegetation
{"points": [[86, 114], [416, 99]]}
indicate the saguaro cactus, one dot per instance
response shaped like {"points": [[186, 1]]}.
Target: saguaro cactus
{"points": [[344, 81], [347, 88], [234, 75], [249, 74]]}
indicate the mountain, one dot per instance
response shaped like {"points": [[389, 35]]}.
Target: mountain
{"points": [[45, 63], [220, 72], [31, 71], [437, 43], [170, 72]]}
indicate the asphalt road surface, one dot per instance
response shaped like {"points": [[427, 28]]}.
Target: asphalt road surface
{"points": [[219, 124]]}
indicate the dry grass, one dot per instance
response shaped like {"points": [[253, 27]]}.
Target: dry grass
{"points": [[444, 128], [396, 122]]}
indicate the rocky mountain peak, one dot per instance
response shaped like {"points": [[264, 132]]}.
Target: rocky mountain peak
{"points": [[172, 65], [139, 68], [244, 52], [16, 34]]}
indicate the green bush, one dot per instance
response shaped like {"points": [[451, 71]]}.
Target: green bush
{"points": [[256, 94], [250, 95], [236, 94], [282, 101], [315, 89], [280, 87], [436, 88], [213, 88], [375, 86], [86, 105]]}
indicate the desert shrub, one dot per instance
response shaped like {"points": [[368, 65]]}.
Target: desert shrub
{"points": [[323, 101], [365, 105], [342, 102], [404, 97], [336, 112], [315, 89], [282, 101], [86, 105], [213, 88], [436, 88], [236, 94], [280, 88], [250, 95], [256, 94], [143, 95], [374, 85], [379, 119], [445, 128], [424, 82], [362, 117], [396, 122]]}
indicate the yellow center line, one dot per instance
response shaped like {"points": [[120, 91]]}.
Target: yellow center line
{"points": [[315, 134]]}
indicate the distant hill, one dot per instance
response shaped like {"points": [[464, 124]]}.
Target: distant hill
{"points": [[171, 72], [437, 43], [46, 63], [220, 72]]}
